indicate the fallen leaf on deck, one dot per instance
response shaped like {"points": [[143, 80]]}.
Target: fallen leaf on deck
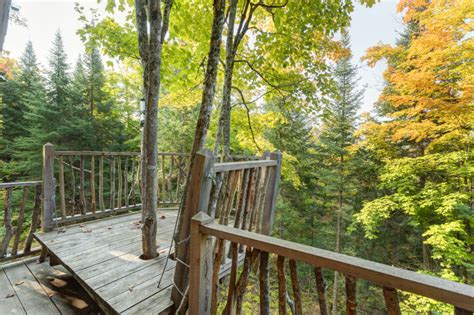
{"points": [[19, 282], [82, 225], [86, 231], [130, 288], [9, 295]]}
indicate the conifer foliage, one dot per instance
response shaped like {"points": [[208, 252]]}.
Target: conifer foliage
{"points": [[70, 109]]}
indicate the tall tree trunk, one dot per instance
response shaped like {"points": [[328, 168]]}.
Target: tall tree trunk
{"points": [[340, 198], [224, 120], [335, 287], [181, 276], [151, 26], [4, 17]]}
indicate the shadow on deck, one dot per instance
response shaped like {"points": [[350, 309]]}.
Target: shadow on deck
{"points": [[30, 287], [103, 256]]}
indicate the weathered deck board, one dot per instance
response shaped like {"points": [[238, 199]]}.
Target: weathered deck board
{"points": [[154, 302], [29, 291], [143, 291], [103, 256], [34, 288], [42, 272], [117, 269], [9, 301]]}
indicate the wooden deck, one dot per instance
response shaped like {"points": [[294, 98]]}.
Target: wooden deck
{"points": [[29, 287], [103, 256]]}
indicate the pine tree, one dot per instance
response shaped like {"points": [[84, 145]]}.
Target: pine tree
{"points": [[58, 77], [337, 134], [95, 79], [53, 117], [19, 95]]}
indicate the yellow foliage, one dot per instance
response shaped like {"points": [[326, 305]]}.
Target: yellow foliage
{"points": [[430, 81], [8, 67]]}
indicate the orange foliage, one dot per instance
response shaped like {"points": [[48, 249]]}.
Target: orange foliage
{"points": [[430, 81], [7, 67]]}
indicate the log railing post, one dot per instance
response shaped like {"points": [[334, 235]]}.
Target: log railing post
{"points": [[351, 302], [391, 301], [197, 200], [268, 214], [461, 311], [49, 204], [7, 221], [200, 267]]}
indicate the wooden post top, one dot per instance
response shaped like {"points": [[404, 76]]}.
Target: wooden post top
{"points": [[202, 218]]}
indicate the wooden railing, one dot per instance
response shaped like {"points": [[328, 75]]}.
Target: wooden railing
{"points": [[258, 248], [83, 185], [240, 194], [21, 203]]}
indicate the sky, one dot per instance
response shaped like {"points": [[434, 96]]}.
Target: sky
{"points": [[369, 26]]}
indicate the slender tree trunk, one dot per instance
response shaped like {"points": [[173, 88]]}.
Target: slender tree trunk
{"points": [[182, 248], [335, 287], [4, 17], [340, 198], [224, 119], [151, 26]]}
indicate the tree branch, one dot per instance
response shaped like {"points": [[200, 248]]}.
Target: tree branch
{"points": [[248, 116], [142, 30], [243, 26], [166, 19], [276, 87], [272, 6]]}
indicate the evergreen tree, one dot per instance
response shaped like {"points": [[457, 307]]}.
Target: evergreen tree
{"points": [[19, 95], [54, 117], [95, 79], [335, 177]]}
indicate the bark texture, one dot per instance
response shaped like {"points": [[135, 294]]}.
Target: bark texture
{"points": [[152, 25]]}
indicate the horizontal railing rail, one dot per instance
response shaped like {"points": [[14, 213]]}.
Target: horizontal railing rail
{"points": [[235, 166], [19, 184], [390, 278], [106, 153], [21, 204]]}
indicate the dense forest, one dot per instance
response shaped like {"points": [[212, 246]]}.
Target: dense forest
{"points": [[392, 186]]}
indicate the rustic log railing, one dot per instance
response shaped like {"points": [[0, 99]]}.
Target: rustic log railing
{"points": [[258, 248], [83, 185], [240, 194], [21, 203]]}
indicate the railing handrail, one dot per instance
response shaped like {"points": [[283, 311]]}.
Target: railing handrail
{"points": [[108, 153], [234, 166], [458, 294], [20, 184], [132, 153]]}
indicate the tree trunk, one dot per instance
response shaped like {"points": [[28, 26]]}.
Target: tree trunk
{"points": [[335, 288], [224, 120], [202, 127], [151, 26], [4, 17]]}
